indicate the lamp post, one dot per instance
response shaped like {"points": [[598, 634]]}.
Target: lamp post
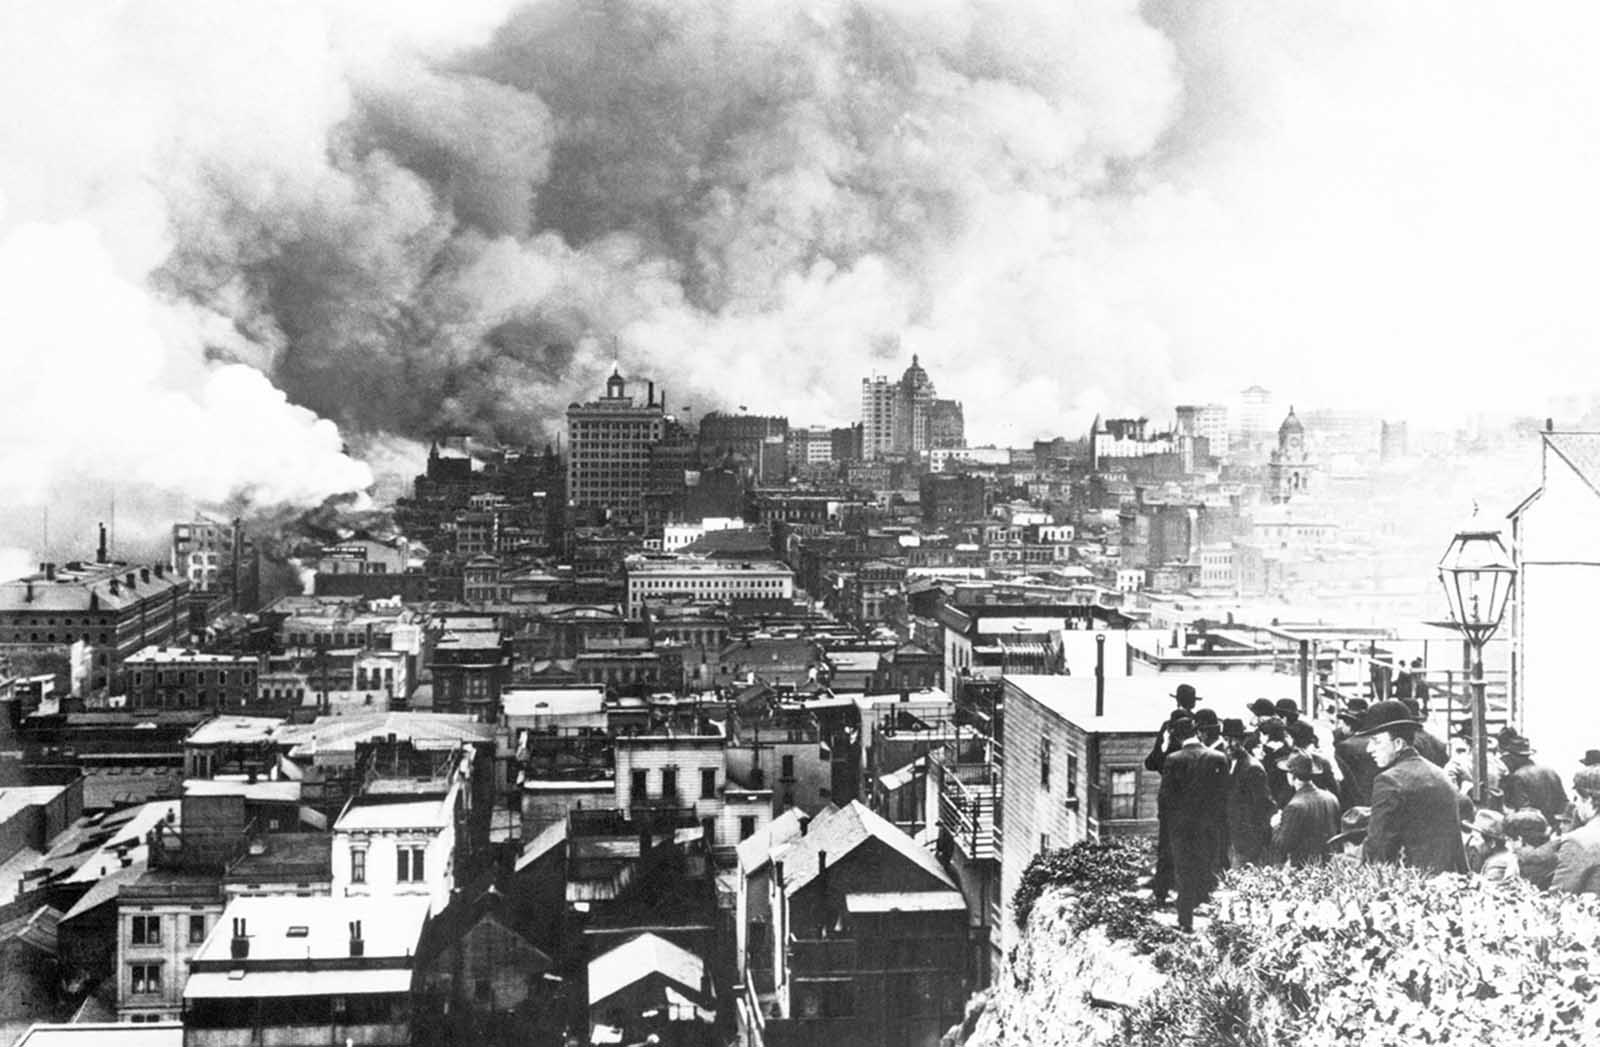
{"points": [[1477, 576]]}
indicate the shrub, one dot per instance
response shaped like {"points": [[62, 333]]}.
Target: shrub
{"points": [[1105, 878], [1362, 954]]}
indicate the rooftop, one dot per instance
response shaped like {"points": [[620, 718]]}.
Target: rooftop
{"points": [[1138, 704], [528, 702], [409, 814], [390, 928], [188, 655], [837, 832], [690, 567], [259, 791], [234, 730], [341, 734], [639, 957], [104, 1034]]}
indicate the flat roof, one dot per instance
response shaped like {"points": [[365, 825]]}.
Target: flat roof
{"points": [[1139, 704], [390, 929], [341, 734], [158, 653], [524, 702], [413, 814], [282, 792], [709, 567], [103, 1034], [234, 730]]}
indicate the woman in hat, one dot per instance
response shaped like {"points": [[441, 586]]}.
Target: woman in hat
{"points": [[1487, 839]]}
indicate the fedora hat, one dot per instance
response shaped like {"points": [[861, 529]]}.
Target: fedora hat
{"points": [[1591, 758], [1185, 694], [1352, 826], [1263, 707], [1391, 712], [1517, 746], [1232, 728], [1487, 823], [1287, 708], [1356, 705], [1206, 718]]}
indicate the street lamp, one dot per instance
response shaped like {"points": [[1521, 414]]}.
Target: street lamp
{"points": [[1477, 576]]}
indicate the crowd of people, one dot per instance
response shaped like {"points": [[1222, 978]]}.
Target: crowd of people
{"points": [[1263, 789]]}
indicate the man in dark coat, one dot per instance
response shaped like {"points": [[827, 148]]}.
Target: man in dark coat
{"points": [[1356, 768], [1250, 806], [1529, 836], [1194, 781], [1164, 745], [1578, 854], [1275, 749], [1416, 819], [1310, 818], [1528, 784]]}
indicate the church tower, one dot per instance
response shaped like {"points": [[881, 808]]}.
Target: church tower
{"points": [[1291, 469]]}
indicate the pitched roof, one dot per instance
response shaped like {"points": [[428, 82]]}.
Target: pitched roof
{"points": [[638, 957], [841, 831], [1581, 451], [756, 850]]}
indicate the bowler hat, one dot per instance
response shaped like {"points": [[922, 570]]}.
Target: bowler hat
{"points": [[1391, 712], [1591, 758], [1270, 727], [1587, 782], [1302, 733], [1518, 746], [1356, 705], [1352, 718], [1204, 718], [1232, 728], [1287, 708], [1352, 826], [1487, 823], [1185, 695], [1263, 707]]}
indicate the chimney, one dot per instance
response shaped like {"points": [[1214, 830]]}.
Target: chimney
{"points": [[132, 580], [822, 871], [102, 554], [650, 395], [1100, 674], [50, 572], [116, 587], [777, 874], [358, 947], [144, 574], [663, 399], [240, 947], [29, 597], [161, 570], [805, 823]]}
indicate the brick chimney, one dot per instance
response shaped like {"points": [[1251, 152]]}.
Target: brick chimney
{"points": [[102, 554], [240, 947], [358, 947]]}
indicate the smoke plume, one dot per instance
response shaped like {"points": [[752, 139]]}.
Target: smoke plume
{"points": [[240, 244]]}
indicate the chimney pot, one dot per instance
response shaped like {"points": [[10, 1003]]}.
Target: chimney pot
{"points": [[131, 582], [144, 574]]}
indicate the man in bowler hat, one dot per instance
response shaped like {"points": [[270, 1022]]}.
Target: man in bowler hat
{"points": [[1356, 768], [1166, 743], [1416, 819], [1194, 781]]}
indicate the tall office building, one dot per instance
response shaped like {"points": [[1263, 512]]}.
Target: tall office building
{"points": [[905, 417], [608, 451]]}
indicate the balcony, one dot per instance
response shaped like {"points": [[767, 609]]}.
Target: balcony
{"points": [[969, 801]]}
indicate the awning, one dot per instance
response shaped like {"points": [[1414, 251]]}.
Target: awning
{"points": [[217, 985]]}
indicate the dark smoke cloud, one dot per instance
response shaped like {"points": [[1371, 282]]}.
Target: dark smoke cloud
{"points": [[278, 217]]}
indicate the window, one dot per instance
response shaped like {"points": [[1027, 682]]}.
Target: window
{"points": [[669, 782], [747, 826], [146, 979], [641, 787], [409, 865], [788, 768], [197, 929], [1044, 763], [1124, 795], [358, 865], [708, 783], [1072, 776], [147, 930]]}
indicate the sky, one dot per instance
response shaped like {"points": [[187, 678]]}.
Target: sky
{"points": [[254, 255]]}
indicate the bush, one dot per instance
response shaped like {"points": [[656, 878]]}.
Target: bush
{"points": [[1362, 954], [1105, 879]]}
